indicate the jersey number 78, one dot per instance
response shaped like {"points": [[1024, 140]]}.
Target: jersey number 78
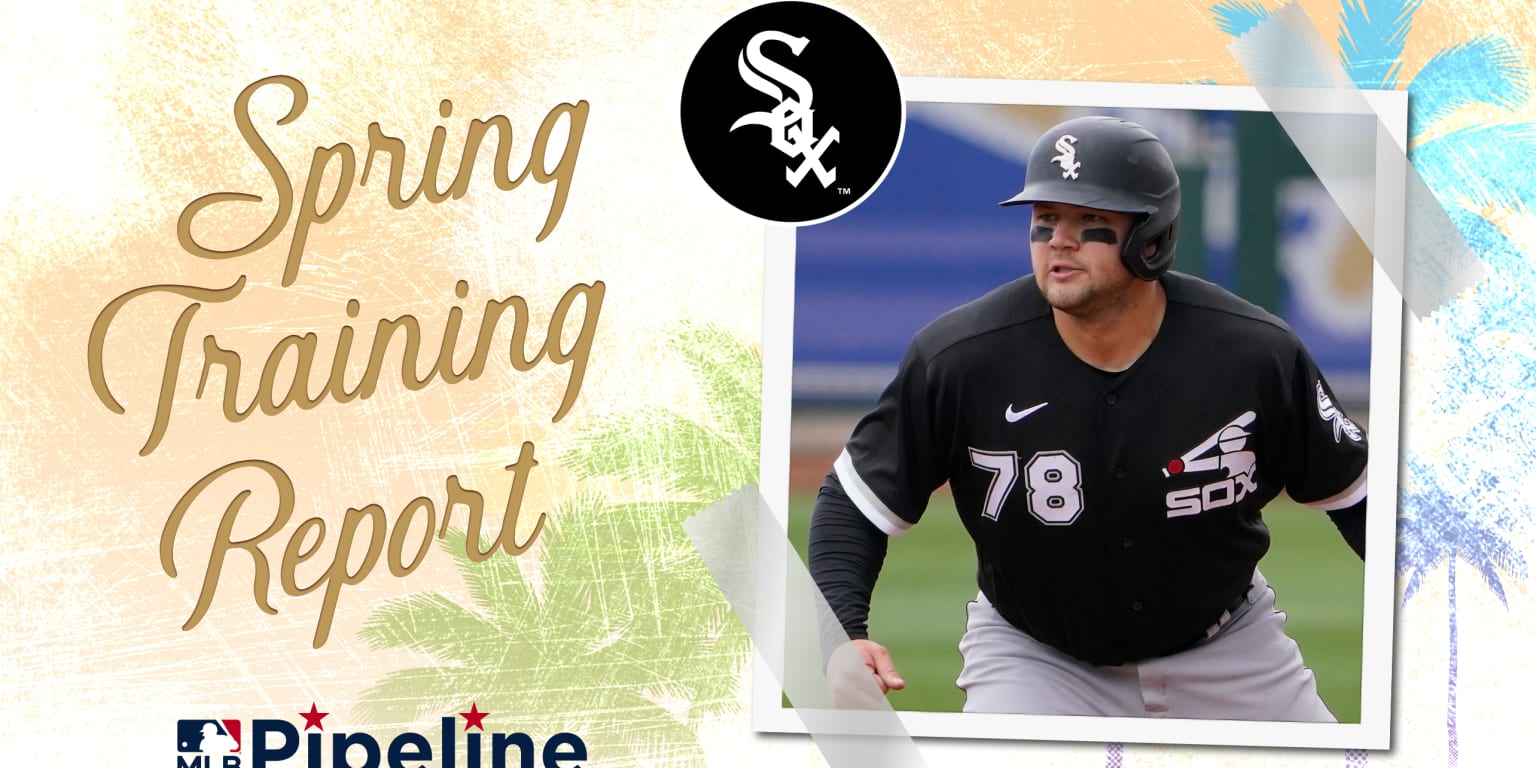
{"points": [[1052, 480]]}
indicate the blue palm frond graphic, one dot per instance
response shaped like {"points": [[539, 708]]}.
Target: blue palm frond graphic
{"points": [[1490, 554], [1485, 69], [1235, 17], [1501, 302], [1491, 244], [1371, 38], [1456, 513], [1421, 548], [1481, 164]]}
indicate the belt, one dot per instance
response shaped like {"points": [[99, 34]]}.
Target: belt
{"points": [[1221, 621]]}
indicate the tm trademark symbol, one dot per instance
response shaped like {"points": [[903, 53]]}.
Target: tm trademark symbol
{"points": [[844, 191]]}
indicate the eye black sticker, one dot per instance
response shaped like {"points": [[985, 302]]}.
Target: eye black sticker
{"points": [[1099, 235]]}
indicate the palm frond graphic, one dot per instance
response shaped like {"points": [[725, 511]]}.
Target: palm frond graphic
{"points": [[626, 640], [1371, 38], [1235, 17]]}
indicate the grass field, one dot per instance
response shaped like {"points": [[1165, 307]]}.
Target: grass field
{"points": [[918, 609]]}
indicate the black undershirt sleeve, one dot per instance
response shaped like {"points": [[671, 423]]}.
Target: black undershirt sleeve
{"points": [[846, 551], [1351, 524]]}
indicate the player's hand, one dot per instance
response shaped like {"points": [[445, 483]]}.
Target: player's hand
{"points": [[860, 673]]}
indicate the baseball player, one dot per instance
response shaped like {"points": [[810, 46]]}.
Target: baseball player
{"points": [[1110, 431]]}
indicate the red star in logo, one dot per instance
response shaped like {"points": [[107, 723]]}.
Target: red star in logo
{"points": [[313, 717], [473, 718]]}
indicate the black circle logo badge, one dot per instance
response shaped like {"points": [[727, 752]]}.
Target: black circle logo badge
{"points": [[792, 112]]}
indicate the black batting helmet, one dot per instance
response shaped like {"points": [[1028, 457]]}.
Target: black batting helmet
{"points": [[1112, 165]]}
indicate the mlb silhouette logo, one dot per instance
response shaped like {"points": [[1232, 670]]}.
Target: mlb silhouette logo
{"points": [[208, 736]]}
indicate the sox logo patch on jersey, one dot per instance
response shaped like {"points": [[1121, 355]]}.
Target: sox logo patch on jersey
{"points": [[1341, 424], [1224, 450]]}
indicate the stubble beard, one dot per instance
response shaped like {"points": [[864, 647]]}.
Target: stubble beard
{"points": [[1087, 299]]}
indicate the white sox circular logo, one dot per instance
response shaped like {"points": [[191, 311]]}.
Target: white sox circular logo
{"points": [[792, 112]]}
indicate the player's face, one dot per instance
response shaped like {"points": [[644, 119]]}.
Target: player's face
{"points": [[1075, 252]]}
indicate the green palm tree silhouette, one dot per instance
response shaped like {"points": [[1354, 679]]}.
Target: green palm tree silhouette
{"points": [[625, 639]]}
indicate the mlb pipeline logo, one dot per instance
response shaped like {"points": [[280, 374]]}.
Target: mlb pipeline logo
{"points": [[217, 744]]}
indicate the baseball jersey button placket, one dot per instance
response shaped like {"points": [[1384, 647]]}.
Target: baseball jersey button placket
{"points": [[1110, 398]]}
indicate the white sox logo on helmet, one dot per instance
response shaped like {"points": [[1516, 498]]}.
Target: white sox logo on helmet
{"points": [[1068, 157], [1230, 442]]}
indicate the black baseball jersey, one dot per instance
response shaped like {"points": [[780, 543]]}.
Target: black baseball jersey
{"points": [[1115, 515]]}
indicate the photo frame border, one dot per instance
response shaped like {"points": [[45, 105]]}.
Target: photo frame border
{"points": [[1389, 315]]}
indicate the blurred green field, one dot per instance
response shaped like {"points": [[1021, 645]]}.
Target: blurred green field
{"points": [[918, 609]]}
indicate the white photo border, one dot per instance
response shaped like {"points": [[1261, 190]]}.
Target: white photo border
{"points": [[1388, 317]]}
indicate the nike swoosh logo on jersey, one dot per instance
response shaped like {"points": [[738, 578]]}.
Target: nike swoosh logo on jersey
{"points": [[1012, 416]]}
